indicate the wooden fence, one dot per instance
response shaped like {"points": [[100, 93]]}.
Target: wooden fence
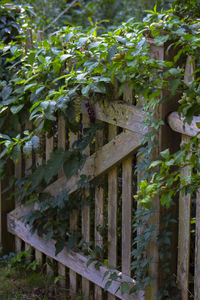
{"points": [[113, 160], [185, 215]]}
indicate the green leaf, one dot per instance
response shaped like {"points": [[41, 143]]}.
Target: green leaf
{"points": [[124, 287], [107, 285], [27, 87], [160, 40], [16, 108], [174, 84], [85, 90], [72, 165], [155, 163], [15, 154], [65, 56], [6, 92], [165, 154], [59, 246]]}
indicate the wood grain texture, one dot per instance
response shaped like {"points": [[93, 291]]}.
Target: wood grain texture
{"points": [[127, 194], [85, 220], [112, 209], [184, 213], [120, 114], [197, 250], [153, 249], [99, 211], [73, 228], [100, 161], [28, 166], [184, 236], [177, 124], [38, 162], [62, 145], [18, 175], [49, 148], [73, 260]]}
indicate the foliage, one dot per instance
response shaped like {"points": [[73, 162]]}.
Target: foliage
{"points": [[83, 12], [73, 65]]}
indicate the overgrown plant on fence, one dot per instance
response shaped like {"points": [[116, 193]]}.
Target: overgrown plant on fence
{"points": [[73, 66]]}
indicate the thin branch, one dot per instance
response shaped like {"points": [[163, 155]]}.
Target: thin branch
{"points": [[60, 15]]}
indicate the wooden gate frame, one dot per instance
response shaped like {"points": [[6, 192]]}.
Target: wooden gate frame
{"points": [[130, 118]]}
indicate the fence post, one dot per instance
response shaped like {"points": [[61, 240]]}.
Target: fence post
{"points": [[7, 204], [165, 138]]}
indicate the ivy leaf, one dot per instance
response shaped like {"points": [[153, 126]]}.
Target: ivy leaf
{"points": [[155, 163], [53, 164], [160, 40], [124, 287], [35, 142], [6, 92], [85, 90], [107, 285], [121, 40], [16, 108], [111, 52], [98, 88], [165, 154], [27, 148], [15, 154], [59, 246], [91, 64], [82, 41], [72, 165], [64, 57], [174, 84]]}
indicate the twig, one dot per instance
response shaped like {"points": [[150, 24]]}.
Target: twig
{"points": [[60, 15]]}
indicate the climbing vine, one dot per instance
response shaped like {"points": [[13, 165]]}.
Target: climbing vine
{"points": [[52, 79]]}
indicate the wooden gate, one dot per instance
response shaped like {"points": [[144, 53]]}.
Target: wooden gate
{"points": [[114, 159]]}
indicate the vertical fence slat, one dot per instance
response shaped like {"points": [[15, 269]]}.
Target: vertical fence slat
{"points": [[49, 148], [61, 144], [86, 219], [197, 250], [127, 184], [112, 211], [184, 236], [73, 228], [38, 161], [28, 170], [18, 175], [185, 212], [99, 211]]}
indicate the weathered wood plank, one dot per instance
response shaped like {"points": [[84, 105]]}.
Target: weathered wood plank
{"points": [[28, 165], [197, 250], [61, 144], [49, 149], [100, 161], [86, 217], [73, 260], [120, 114], [18, 175], [153, 249], [127, 184], [184, 214], [184, 236], [73, 228], [112, 210], [177, 124], [99, 211], [38, 161]]}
